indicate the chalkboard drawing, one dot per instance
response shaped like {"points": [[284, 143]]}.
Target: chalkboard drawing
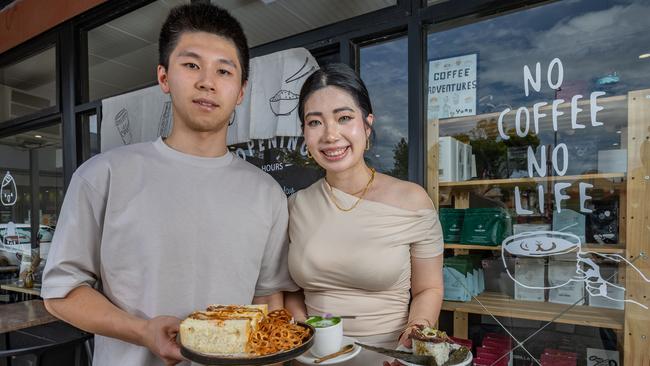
{"points": [[164, 127], [538, 244], [122, 124], [301, 73], [283, 109], [284, 102], [8, 190]]}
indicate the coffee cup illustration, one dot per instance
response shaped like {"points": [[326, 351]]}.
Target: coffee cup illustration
{"points": [[8, 190], [122, 124]]}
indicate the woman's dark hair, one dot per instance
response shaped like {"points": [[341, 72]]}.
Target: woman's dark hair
{"points": [[340, 76], [202, 17]]}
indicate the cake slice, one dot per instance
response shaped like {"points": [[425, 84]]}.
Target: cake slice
{"points": [[221, 329]]}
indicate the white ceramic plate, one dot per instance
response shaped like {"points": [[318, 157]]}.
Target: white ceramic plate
{"points": [[308, 358], [468, 359]]}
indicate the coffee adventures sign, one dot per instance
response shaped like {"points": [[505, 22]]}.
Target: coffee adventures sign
{"points": [[452, 87]]}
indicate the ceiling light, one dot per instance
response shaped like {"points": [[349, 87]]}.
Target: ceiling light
{"points": [[38, 136], [619, 131], [267, 2], [645, 55]]}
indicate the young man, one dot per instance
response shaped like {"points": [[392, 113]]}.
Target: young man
{"points": [[153, 231]]}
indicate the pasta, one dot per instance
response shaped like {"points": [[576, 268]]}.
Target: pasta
{"points": [[275, 333]]}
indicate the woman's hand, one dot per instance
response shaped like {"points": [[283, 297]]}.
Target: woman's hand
{"points": [[404, 339], [394, 363]]}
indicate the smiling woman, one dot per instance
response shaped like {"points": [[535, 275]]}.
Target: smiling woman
{"points": [[380, 221]]}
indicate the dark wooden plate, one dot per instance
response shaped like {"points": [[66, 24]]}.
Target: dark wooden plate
{"points": [[208, 359]]}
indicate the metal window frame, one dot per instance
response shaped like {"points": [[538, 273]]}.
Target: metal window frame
{"points": [[411, 17]]}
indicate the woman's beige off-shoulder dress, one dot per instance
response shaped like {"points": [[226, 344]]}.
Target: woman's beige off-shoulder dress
{"points": [[358, 263]]}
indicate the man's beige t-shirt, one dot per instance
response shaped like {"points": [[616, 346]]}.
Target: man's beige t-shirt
{"points": [[160, 232]]}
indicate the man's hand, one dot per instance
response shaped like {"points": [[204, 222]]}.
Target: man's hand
{"points": [[160, 338]]}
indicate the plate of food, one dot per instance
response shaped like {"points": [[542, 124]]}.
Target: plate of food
{"points": [[243, 335], [431, 347]]}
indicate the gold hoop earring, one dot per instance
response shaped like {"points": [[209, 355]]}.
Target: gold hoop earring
{"points": [[309, 154], [367, 144]]}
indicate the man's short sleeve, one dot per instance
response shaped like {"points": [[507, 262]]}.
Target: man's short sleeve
{"points": [[73, 259], [274, 274]]}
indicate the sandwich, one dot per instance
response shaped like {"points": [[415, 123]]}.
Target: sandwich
{"points": [[221, 329]]}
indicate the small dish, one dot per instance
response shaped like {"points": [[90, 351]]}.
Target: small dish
{"points": [[308, 359], [467, 361]]}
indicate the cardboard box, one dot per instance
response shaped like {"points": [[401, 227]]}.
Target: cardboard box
{"points": [[530, 273], [559, 272], [473, 166], [496, 277], [599, 357], [468, 162], [458, 277], [448, 159], [608, 273], [526, 228], [569, 221], [462, 162]]}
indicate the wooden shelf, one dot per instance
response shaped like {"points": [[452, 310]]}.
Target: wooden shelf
{"points": [[513, 181], [504, 306], [604, 248], [472, 247]]}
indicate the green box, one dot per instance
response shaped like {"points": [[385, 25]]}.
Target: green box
{"points": [[486, 226], [451, 220]]}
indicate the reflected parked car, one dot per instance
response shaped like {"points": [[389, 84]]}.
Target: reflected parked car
{"points": [[13, 247]]}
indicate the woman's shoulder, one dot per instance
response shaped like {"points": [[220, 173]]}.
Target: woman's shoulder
{"points": [[305, 193], [402, 194]]}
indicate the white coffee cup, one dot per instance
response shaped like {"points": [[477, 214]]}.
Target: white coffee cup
{"points": [[327, 340]]}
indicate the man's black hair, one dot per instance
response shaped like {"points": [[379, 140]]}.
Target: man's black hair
{"points": [[202, 17]]}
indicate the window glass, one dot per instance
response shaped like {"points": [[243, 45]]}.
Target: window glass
{"points": [[89, 135], [123, 53], [270, 20], [384, 70], [537, 120], [36, 153], [28, 86]]}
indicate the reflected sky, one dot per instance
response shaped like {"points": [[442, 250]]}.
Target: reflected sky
{"points": [[384, 69], [593, 39], [598, 43]]}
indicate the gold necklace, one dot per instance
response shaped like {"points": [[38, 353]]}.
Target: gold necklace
{"points": [[363, 193]]}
